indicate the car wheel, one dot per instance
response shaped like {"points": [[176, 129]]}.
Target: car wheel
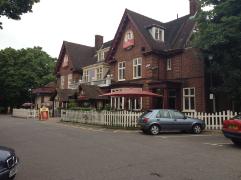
{"points": [[13, 177], [196, 129], [154, 129], [236, 142]]}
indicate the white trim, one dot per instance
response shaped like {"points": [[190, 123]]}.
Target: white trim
{"points": [[189, 96], [169, 64], [122, 68], [137, 62]]}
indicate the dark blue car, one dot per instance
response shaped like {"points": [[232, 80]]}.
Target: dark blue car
{"points": [[8, 163], [155, 120]]}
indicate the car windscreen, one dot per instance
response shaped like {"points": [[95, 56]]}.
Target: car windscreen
{"points": [[238, 117]]}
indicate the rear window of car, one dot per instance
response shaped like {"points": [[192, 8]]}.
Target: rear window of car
{"points": [[238, 117], [146, 113]]}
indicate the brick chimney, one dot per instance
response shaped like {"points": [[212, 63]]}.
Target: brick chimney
{"points": [[194, 6], [98, 41]]}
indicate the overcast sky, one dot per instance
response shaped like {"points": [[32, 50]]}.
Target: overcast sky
{"points": [[53, 21]]}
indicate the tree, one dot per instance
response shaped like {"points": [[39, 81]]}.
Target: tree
{"points": [[219, 36], [13, 9], [21, 70]]}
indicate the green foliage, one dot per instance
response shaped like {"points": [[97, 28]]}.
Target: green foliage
{"points": [[72, 104], [13, 9], [219, 35], [22, 70]]}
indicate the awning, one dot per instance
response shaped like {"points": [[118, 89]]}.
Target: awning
{"points": [[132, 93]]}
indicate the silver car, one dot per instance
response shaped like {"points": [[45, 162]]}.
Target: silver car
{"points": [[155, 120]]}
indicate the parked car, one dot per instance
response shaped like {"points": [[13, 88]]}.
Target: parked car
{"points": [[156, 120], [232, 129], [8, 163]]}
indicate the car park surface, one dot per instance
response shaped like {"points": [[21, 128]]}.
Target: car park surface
{"points": [[56, 151]]}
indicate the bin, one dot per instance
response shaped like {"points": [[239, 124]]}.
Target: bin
{"points": [[43, 113]]}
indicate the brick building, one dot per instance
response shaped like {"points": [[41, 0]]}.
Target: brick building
{"points": [[80, 70], [150, 55]]}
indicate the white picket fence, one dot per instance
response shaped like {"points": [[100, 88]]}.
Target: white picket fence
{"points": [[25, 113], [108, 118], [214, 121], [129, 119]]}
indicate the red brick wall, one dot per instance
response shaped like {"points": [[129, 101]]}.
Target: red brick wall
{"points": [[128, 55], [64, 71], [188, 68]]}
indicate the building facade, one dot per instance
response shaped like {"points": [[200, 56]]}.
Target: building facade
{"points": [[150, 55]]}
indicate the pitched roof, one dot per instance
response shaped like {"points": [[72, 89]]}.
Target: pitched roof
{"points": [[107, 44], [176, 32], [91, 91], [80, 55]]}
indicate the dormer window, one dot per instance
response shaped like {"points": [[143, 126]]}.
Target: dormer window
{"points": [[128, 39], [157, 33], [100, 56]]}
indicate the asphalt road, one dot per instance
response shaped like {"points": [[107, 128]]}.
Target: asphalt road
{"points": [[55, 151]]}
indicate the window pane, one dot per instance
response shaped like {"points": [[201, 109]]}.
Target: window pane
{"points": [[192, 91], [192, 99], [139, 71], [186, 92], [178, 115], [186, 103]]}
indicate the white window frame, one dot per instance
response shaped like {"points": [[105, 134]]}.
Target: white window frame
{"points": [[189, 96], [117, 102], [100, 56], [129, 35], [86, 75], [135, 104], [99, 73], [121, 70], [70, 80], [157, 33], [169, 64], [136, 63]]}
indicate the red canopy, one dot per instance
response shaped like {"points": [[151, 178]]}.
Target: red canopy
{"points": [[131, 93]]}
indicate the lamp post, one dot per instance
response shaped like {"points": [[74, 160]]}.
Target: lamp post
{"points": [[30, 93], [211, 95]]}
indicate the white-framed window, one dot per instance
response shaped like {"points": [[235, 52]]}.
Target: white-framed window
{"points": [[189, 99], [169, 64], [137, 63], [121, 70], [157, 33], [86, 75], [129, 35], [100, 56], [70, 80], [62, 82], [99, 73], [117, 102], [135, 104]]}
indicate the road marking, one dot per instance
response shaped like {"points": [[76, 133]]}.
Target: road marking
{"points": [[183, 136], [217, 144]]}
